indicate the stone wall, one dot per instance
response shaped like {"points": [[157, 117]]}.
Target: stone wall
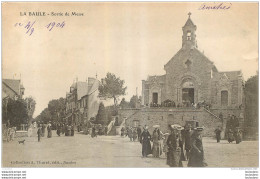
{"points": [[166, 116]]}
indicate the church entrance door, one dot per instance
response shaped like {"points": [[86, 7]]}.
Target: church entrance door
{"points": [[155, 98], [188, 96]]}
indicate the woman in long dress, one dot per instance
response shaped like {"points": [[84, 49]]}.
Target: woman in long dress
{"points": [[197, 153], [157, 148], [145, 141], [174, 150], [49, 131]]}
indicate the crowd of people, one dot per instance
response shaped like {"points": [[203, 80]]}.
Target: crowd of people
{"points": [[178, 144], [61, 129], [233, 131], [169, 103]]}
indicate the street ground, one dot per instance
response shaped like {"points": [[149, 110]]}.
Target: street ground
{"points": [[114, 151]]}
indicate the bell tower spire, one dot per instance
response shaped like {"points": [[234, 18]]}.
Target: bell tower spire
{"points": [[189, 36]]}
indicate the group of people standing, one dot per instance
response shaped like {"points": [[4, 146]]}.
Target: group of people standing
{"points": [[66, 129], [231, 135], [173, 145], [41, 131], [133, 133]]}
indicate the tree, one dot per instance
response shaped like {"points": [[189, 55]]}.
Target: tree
{"points": [[54, 112], [101, 117], [124, 104], [112, 87], [15, 112], [30, 107], [251, 101], [56, 108], [134, 101]]}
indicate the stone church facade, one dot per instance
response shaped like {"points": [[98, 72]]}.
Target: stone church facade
{"points": [[192, 78]]}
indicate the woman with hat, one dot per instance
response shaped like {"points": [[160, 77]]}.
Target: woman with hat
{"points": [[197, 153], [174, 150], [145, 141], [157, 148]]}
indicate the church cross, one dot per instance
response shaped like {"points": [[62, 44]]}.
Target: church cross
{"points": [[189, 14]]}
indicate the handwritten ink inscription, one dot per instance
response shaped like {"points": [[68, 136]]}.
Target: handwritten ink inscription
{"points": [[214, 6], [29, 27]]}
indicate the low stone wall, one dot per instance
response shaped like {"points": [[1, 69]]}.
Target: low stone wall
{"points": [[167, 116], [20, 134]]}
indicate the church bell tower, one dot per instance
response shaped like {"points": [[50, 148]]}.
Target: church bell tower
{"points": [[189, 36]]}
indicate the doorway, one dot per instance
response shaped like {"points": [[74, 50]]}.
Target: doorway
{"points": [[188, 95], [155, 98]]}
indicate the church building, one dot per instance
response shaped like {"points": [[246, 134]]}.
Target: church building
{"points": [[192, 78]]}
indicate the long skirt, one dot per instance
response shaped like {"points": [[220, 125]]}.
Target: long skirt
{"points": [[146, 148], [174, 158], [49, 134], [58, 132], [157, 149], [196, 159]]}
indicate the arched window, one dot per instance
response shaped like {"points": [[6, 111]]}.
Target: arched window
{"points": [[188, 35]]}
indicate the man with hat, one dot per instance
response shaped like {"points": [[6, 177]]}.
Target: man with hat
{"points": [[197, 153], [145, 139]]}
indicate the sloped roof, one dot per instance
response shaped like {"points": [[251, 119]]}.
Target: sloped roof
{"points": [[94, 87], [82, 89], [187, 51], [156, 78], [189, 22], [13, 85], [232, 75], [4, 95]]}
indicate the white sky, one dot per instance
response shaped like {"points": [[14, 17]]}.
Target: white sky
{"points": [[130, 40]]}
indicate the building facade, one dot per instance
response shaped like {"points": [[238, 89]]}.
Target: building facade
{"points": [[192, 78], [82, 101]]}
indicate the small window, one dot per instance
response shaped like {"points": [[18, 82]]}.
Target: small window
{"points": [[188, 35]]}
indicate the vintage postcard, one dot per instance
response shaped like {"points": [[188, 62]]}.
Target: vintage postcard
{"points": [[129, 84]]}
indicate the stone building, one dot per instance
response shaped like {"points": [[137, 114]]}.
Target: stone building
{"points": [[192, 78]]}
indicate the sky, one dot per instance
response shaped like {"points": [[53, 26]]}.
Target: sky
{"points": [[131, 40]]}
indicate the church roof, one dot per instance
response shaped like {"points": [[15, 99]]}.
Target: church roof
{"points": [[156, 78], [189, 22], [232, 75], [13, 85]]}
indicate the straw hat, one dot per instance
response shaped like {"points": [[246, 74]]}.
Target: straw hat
{"points": [[156, 126], [177, 126]]}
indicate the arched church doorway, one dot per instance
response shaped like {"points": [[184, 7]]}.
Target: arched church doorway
{"points": [[188, 93]]}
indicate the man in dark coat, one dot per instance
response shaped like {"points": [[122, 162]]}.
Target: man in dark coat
{"points": [[72, 130], [139, 131], [145, 141], [197, 153], [187, 138], [58, 129], [39, 133], [218, 132]]}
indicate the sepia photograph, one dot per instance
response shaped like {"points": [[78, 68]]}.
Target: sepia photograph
{"points": [[130, 84]]}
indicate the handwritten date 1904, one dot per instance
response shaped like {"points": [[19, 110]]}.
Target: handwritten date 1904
{"points": [[51, 25], [29, 26]]}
